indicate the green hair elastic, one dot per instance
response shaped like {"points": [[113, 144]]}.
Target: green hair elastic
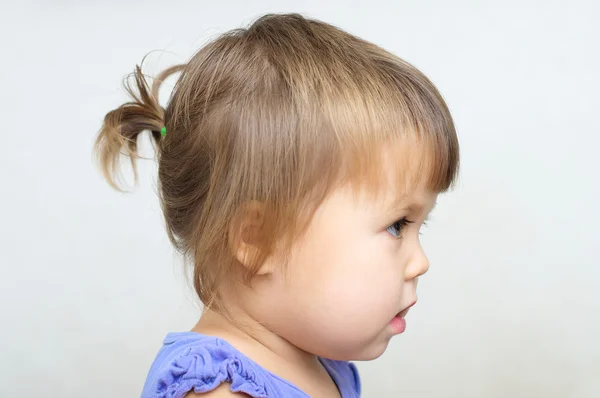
{"points": [[163, 131]]}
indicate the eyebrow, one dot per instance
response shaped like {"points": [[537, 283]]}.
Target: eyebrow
{"points": [[396, 207]]}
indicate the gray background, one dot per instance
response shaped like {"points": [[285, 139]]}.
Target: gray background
{"points": [[89, 284]]}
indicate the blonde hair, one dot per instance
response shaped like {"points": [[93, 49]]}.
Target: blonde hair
{"points": [[281, 113]]}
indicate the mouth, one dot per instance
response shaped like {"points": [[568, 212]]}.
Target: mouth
{"points": [[398, 324], [403, 313]]}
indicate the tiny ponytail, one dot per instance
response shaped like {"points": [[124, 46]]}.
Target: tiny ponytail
{"points": [[122, 125]]}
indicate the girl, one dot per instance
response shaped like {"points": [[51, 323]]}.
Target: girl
{"points": [[297, 164]]}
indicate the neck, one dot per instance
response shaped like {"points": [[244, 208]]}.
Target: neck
{"points": [[256, 340]]}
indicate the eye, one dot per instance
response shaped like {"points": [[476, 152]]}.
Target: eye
{"points": [[396, 228]]}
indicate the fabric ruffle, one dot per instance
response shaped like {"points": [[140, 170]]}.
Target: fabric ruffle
{"points": [[203, 368]]}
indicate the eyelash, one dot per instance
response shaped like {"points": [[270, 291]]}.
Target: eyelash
{"points": [[400, 225]]}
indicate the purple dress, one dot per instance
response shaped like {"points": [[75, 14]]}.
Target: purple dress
{"points": [[190, 361]]}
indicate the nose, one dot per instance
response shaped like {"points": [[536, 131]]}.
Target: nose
{"points": [[418, 264]]}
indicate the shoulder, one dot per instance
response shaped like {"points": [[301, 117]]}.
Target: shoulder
{"points": [[193, 363]]}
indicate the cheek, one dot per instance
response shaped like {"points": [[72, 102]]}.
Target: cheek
{"points": [[344, 298], [340, 292], [354, 278], [366, 279]]}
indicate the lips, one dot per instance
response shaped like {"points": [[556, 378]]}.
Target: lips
{"points": [[403, 313]]}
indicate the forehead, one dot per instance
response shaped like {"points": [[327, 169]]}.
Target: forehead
{"points": [[417, 201], [400, 176], [401, 165], [394, 197]]}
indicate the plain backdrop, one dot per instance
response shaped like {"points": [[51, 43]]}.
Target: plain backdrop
{"points": [[510, 307]]}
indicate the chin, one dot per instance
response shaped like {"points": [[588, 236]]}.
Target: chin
{"points": [[368, 352], [374, 351], [354, 348]]}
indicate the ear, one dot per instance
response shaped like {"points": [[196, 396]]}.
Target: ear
{"points": [[246, 235]]}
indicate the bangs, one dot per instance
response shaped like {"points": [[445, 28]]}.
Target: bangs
{"points": [[394, 125]]}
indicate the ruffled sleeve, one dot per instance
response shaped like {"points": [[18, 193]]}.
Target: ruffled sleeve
{"points": [[202, 368]]}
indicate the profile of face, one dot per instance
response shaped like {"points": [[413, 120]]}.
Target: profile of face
{"points": [[350, 279]]}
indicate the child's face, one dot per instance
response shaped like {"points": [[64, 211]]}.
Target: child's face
{"points": [[349, 277]]}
